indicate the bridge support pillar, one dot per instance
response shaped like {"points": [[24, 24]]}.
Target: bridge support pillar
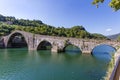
{"points": [[31, 48], [87, 48], [86, 51], [56, 49]]}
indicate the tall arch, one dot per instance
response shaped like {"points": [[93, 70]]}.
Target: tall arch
{"points": [[103, 49], [17, 39], [44, 45]]}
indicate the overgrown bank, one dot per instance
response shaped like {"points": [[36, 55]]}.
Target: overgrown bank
{"points": [[110, 68]]}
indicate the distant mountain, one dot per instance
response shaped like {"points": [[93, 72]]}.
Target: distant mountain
{"points": [[113, 37]]}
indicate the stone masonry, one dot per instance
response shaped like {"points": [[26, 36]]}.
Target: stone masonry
{"points": [[59, 43]]}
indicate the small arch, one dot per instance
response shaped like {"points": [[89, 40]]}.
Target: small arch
{"points": [[44, 45], [16, 40], [72, 48], [104, 48]]}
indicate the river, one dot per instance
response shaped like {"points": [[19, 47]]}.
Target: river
{"points": [[21, 64]]}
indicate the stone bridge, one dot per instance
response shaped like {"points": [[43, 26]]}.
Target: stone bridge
{"points": [[58, 43]]}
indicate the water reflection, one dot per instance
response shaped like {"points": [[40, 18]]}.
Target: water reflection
{"points": [[104, 49], [103, 52], [20, 64]]}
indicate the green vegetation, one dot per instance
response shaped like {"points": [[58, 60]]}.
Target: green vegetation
{"points": [[110, 68], [9, 24], [115, 4]]}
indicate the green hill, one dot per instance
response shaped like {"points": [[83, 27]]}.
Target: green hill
{"points": [[10, 23]]}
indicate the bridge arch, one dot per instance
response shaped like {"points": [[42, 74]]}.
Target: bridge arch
{"points": [[58, 43], [14, 36], [44, 45], [74, 45], [103, 49]]}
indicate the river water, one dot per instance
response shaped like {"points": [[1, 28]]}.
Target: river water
{"points": [[21, 64]]}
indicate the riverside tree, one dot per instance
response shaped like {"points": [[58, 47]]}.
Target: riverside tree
{"points": [[115, 4]]}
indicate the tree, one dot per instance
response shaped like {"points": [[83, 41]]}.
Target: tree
{"points": [[98, 36], [115, 4]]}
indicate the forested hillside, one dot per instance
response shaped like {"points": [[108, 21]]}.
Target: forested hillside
{"points": [[9, 23]]}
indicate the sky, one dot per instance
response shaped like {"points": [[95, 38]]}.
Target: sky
{"points": [[66, 13]]}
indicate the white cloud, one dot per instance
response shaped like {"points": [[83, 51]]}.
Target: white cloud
{"points": [[108, 30]]}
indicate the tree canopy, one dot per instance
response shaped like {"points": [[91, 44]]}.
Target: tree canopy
{"points": [[115, 4], [8, 24]]}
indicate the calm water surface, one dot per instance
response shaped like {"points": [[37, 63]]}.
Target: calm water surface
{"points": [[21, 64]]}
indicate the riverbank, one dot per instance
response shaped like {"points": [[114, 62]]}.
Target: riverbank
{"points": [[116, 71]]}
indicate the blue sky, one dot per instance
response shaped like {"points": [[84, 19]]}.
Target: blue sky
{"points": [[66, 13]]}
